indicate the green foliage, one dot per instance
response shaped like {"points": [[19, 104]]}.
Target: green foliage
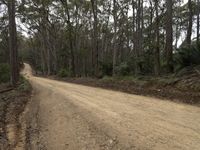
{"points": [[146, 62], [63, 73], [123, 69], [187, 57], [107, 78], [106, 68], [4, 73], [24, 85]]}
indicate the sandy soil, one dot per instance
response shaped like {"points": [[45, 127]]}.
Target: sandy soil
{"points": [[75, 117]]}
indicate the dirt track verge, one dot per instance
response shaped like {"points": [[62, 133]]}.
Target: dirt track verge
{"points": [[12, 105], [165, 92]]}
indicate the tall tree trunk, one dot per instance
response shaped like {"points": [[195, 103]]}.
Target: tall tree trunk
{"points": [[189, 29], [138, 37], [45, 37], [134, 26], [72, 60], [157, 48], [169, 37], [13, 43], [198, 13], [114, 38], [142, 28], [48, 51], [96, 43]]}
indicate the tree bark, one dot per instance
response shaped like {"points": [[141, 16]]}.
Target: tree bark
{"points": [[95, 33], [138, 39], [139, 48], [189, 29], [157, 48], [198, 13], [114, 38], [169, 37], [72, 60], [13, 43]]}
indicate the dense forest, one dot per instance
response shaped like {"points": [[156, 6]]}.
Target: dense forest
{"points": [[100, 74], [99, 38]]}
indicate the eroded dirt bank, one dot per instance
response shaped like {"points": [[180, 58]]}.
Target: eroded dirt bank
{"points": [[73, 117]]}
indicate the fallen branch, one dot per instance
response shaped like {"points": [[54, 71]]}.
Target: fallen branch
{"points": [[6, 90]]}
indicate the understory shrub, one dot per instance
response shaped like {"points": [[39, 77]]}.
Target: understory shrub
{"points": [[123, 69], [24, 86], [63, 73], [187, 56], [106, 68], [4, 73]]}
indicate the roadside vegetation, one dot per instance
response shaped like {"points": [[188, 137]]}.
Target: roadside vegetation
{"points": [[12, 104], [13, 100], [181, 86]]}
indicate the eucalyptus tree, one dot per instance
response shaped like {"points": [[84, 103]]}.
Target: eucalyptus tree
{"points": [[13, 43], [115, 37], [72, 63], [190, 19], [198, 20], [157, 47], [94, 6], [169, 36], [8, 33], [89, 37]]}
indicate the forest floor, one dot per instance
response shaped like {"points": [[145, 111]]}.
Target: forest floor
{"points": [[73, 116], [181, 87], [12, 106]]}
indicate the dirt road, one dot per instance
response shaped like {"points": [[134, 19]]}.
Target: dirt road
{"points": [[76, 117]]}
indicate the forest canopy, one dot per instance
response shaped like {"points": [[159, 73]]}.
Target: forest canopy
{"points": [[101, 37]]}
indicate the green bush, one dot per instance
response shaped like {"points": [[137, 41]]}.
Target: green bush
{"points": [[24, 85], [106, 68], [63, 73], [123, 69], [4, 73], [187, 56]]}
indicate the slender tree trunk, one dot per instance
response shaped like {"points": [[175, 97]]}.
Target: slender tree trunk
{"points": [[48, 64], [169, 37], [72, 60], [151, 33], [48, 52], [138, 40], [133, 25], [198, 13], [177, 36], [45, 37], [157, 48], [189, 29], [114, 38], [142, 28], [96, 43], [13, 43]]}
